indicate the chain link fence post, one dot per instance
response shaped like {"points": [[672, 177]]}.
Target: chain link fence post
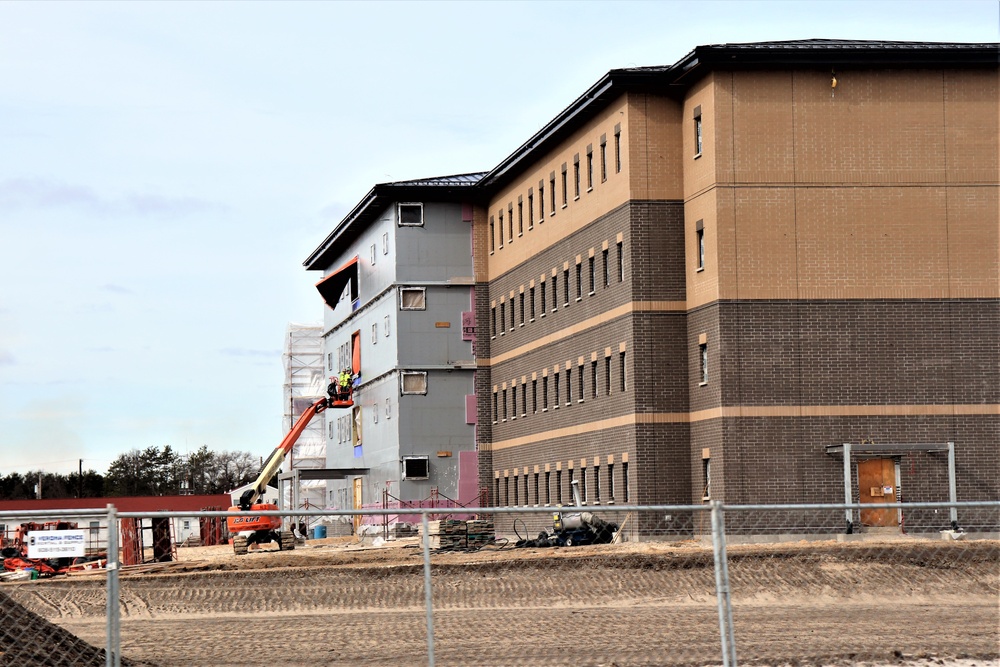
{"points": [[426, 540], [113, 639], [726, 635]]}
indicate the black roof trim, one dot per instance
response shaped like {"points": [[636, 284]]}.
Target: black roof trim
{"points": [[442, 188]]}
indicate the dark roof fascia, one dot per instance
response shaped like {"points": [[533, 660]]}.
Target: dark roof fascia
{"points": [[371, 206], [608, 88], [834, 54], [674, 80]]}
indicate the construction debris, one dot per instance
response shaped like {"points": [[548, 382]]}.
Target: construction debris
{"points": [[453, 534]]}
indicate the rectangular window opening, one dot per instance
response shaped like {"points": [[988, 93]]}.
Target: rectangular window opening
{"points": [[416, 467], [413, 382], [410, 214], [412, 298]]}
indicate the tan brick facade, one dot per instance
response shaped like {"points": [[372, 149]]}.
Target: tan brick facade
{"points": [[847, 288]]}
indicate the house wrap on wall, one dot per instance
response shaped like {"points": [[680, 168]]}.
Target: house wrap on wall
{"points": [[399, 291]]}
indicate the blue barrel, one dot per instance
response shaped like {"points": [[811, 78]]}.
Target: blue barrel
{"points": [[319, 532]]}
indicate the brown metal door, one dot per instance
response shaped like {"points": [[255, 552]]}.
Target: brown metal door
{"points": [[877, 484]]}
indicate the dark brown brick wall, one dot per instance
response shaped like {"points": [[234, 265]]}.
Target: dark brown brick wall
{"points": [[860, 352]]}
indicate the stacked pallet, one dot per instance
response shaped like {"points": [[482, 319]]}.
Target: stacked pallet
{"points": [[480, 533], [446, 534]]}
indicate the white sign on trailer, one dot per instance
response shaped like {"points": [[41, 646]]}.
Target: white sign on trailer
{"points": [[56, 543]]}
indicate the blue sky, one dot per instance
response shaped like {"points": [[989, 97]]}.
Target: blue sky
{"points": [[165, 168]]}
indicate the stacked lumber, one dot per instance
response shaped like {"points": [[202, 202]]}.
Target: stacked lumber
{"points": [[446, 534], [480, 533]]}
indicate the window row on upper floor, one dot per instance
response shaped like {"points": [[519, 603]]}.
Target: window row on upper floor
{"points": [[536, 299], [534, 204]]}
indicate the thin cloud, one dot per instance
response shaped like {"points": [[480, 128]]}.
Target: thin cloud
{"points": [[244, 352], [116, 289], [36, 193]]}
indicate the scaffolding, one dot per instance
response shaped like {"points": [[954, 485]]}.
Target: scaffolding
{"points": [[305, 383]]}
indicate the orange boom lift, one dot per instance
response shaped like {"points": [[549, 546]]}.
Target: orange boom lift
{"points": [[248, 530]]}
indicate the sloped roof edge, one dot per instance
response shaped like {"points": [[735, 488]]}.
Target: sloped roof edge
{"points": [[442, 188], [675, 79]]}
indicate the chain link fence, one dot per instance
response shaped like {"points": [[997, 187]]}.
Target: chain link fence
{"points": [[598, 585]]}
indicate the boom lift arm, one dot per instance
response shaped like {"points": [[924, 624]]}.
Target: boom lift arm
{"points": [[277, 457], [261, 529]]}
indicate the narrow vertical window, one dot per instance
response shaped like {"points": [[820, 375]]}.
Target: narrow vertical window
{"points": [[531, 209], [510, 222], [503, 317], [703, 356], [534, 396], [374, 333], [569, 386], [592, 269], [506, 491], [493, 322], [513, 402], [524, 401], [558, 487], [526, 500], [521, 304], [566, 287], [541, 297], [498, 500], [516, 487], [579, 281], [552, 192], [618, 149], [706, 479], [545, 393], [565, 186], [503, 406], [496, 407], [492, 234], [621, 262], [576, 176], [621, 364], [597, 485], [593, 378], [625, 480], [604, 157], [541, 201], [590, 168], [555, 386], [555, 292], [584, 491], [500, 214], [697, 131], [537, 497], [611, 482], [607, 375], [579, 379], [520, 217], [531, 303], [607, 270], [548, 487], [571, 476], [512, 314], [699, 236]]}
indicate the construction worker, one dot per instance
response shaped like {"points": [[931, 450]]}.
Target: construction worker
{"points": [[345, 383]]}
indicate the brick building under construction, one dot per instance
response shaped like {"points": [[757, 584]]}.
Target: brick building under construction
{"points": [[716, 279]]}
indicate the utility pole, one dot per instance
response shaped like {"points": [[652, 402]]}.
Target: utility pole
{"points": [[79, 493]]}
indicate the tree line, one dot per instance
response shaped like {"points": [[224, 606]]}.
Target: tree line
{"points": [[148, 472]]}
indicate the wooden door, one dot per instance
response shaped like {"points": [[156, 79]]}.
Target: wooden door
{"points": [[877, 484], [357, 502]]}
